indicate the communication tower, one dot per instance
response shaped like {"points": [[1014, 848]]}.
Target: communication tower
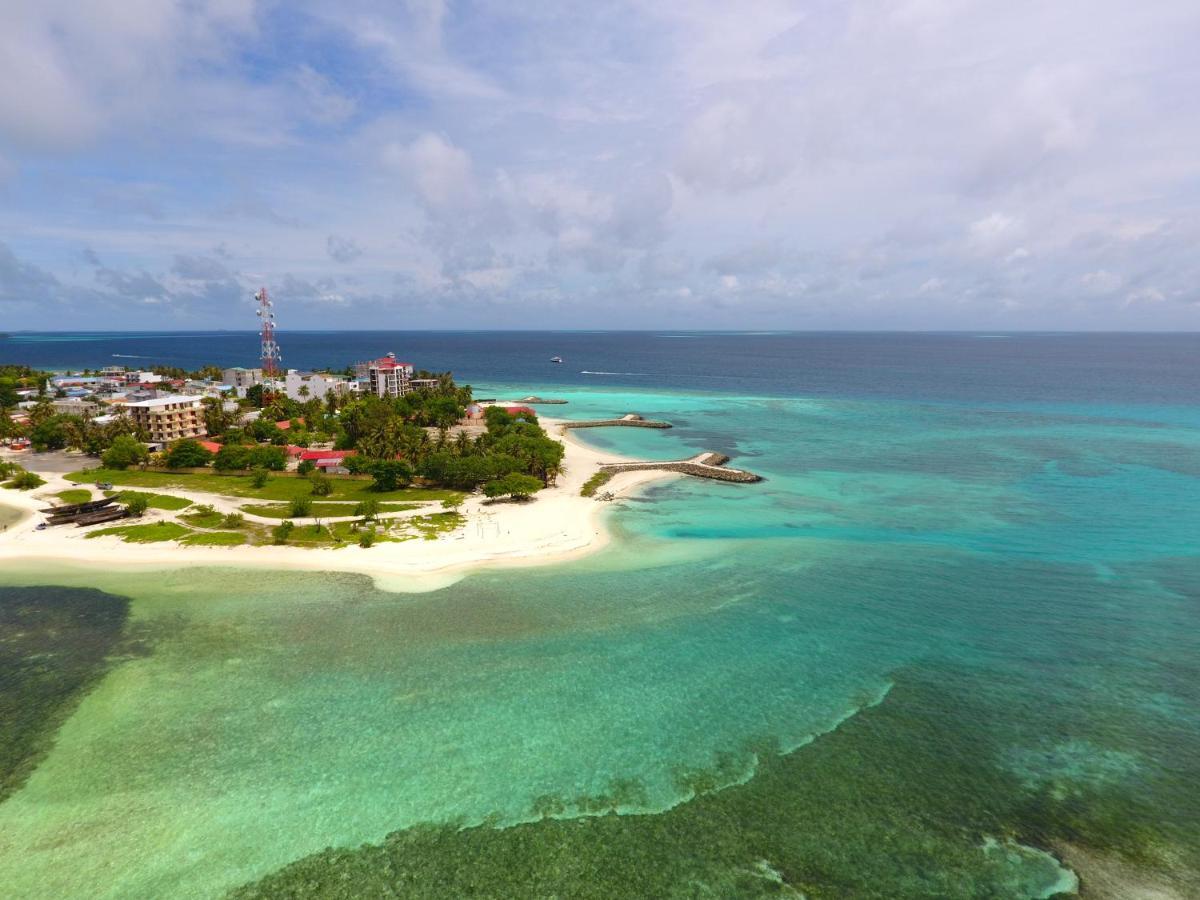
{"points": [[271, 357]]}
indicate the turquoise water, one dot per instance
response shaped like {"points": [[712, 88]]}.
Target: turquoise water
{"points": [[985, 611]]}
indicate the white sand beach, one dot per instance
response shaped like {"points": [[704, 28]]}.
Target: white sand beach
{"points": [[557, 524]]}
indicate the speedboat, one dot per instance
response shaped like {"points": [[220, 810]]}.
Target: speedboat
{"points": [[556, 359]]}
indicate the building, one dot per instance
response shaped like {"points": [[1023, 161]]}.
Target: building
{"points": [[76, 406], [167, 419], [384, 377], [319, 384], [330, 461], [241, 380]]}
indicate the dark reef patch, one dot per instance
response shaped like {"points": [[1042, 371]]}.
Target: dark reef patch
{"points": [[897, 802], [55, 644]]}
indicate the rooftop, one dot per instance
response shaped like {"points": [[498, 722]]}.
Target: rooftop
{"points": [[164, 401]]}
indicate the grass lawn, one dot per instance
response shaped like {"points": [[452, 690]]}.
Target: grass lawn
{"points": [[153, 501], [203, 519], [75, 495], [145, 534], [215, 538], [439, 523], [280, 486], [320, 510]]}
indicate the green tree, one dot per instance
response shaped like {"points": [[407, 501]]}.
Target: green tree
{"points": [[306, 466], [187, 454], [125, 451], [515, 485], [390, 475], [367, 509]]}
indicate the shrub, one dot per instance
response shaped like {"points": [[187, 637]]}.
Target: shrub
{"points": [[26, 481], [137, 504], [204, 509], [301, 507], [282, 531], [187, 454], [126, 450], [321, 485], [233, 520], [306, 466], [259, 478], [367, 538], [453, 503]]}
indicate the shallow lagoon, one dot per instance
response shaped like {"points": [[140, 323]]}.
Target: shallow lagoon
{"points": [[1015, 589]]}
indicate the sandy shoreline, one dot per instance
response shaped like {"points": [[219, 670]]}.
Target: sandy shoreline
{"points": [[558, 525]]}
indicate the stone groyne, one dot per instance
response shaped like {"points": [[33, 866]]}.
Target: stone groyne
{"points": [[628, 421], [703, 465]]}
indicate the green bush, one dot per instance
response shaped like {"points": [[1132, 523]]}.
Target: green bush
{"points": [[137, 504], [301, 507], [26, 481], [321, 485], [187, 454], [126, 450], [259, 478], [366, 538], [306, 466], [233, 520], [281, 532], [368, 508]]}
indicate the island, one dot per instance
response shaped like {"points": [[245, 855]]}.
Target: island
{"points": [[398, 474]]}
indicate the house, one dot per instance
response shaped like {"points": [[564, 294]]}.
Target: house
{"points": [[328, 461], [170, 418], [520, 411], [384, 377], [210, 446]]}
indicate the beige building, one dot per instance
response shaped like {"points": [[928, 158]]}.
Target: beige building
{"points": [[167, 419], [241, 380]]}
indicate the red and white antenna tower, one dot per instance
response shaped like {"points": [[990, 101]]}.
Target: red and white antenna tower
{"points": [[271, 357]]}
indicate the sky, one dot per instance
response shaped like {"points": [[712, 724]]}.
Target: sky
{"points": [[884, 164]]}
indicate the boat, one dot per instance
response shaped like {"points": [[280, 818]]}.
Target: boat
{"points": [[556, 359]]}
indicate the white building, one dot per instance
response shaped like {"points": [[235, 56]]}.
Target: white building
{"points": [[384, 377], [319, 384]]}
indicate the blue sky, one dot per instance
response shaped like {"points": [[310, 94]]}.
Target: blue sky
{"points": [[907, 164]]}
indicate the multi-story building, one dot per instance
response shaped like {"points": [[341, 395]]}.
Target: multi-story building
{"points": [[319, 384], [76, 406], [384, 377], [167, 419], [241, 380]]}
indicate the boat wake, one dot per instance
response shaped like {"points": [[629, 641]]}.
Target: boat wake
{"points": [[638, 374]]}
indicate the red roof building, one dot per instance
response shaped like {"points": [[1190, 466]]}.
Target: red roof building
{"points": [[210, 446], [519, 411]]}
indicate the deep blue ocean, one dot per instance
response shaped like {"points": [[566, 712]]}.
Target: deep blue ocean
{"points": [[949, 647]]}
